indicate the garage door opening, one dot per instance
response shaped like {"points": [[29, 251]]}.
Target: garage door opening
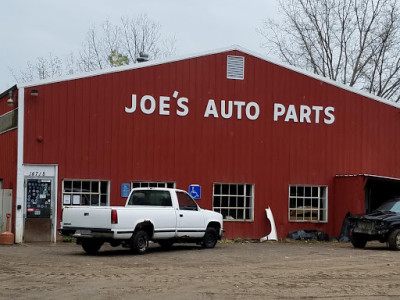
{"points": [[360, 194]]}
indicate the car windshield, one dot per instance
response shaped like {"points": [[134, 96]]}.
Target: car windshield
{"points": [[393, 206]]}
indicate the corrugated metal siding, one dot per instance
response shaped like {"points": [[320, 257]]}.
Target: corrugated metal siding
{"points": [[8, 154], [8, 159], [87, 133], [8, 147], [350, 191]]}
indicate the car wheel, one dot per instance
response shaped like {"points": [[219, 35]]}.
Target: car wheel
{"points": [[394, 239], [357, 241], [91, 246], [210, 238], [140, 242]]}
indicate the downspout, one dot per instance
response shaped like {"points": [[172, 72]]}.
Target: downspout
{"points": [[20, 206]]}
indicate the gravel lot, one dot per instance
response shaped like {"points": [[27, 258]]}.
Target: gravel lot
{"points": [[271, 270]]}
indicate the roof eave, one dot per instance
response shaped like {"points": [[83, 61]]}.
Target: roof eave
{"points": [[6, 92]]}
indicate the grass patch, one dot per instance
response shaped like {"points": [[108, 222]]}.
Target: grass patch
{"points": [[239, 241], [67, 239]]}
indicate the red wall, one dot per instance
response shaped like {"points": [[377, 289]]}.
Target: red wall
{"points": [[350, 191], [8, 152], [82, 126], [8, 159]]}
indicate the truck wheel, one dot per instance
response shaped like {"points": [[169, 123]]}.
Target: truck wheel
{"points": [[357, 241], [91, 246], [394, 240], [210, 238], [140, 242]]}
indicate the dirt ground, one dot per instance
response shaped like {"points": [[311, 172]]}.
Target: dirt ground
{"points": [[271, 270]]}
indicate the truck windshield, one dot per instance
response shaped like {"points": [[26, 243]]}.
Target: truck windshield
{"points": [[393, 206], [150, 198]]}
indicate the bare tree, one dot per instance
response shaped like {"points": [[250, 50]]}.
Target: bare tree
{"points": [[105, 46], [70, 65], [91, 55], [44, 67], [127, 40], [143, 36], [356, 42]]}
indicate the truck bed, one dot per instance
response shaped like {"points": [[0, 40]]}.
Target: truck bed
{"points": [[92, 217]]}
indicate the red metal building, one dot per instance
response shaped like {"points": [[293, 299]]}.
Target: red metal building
{"points": [[251, 133]]}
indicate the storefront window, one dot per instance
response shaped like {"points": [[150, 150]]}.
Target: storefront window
{"points": [[234, 201], [308, 203], [86, 192]]}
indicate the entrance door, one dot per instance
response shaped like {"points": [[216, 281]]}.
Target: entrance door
{"points": [[39, 201]]}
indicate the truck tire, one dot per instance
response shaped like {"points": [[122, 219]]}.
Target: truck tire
{"points": [[210, 238], [91, 246], [358, 241], [394, 239], [140, 242]]}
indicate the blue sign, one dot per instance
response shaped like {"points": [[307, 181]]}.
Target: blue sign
{"points": [[125, 189], [195, 191]]}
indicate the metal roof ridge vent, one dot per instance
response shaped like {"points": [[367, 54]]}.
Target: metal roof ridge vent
{"points": [[143, 57], [235, 67]]}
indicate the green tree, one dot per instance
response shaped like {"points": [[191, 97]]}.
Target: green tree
{"points": [[116, 59]]}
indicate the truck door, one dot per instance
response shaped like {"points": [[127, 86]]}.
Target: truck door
{"points": [[190, 218]]}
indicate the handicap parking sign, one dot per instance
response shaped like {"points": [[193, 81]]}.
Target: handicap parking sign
{"points": [[125, 189], [195, 191]]}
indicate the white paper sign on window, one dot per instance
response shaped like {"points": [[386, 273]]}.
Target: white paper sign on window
{"points": [[67, 199], [76, 199]]}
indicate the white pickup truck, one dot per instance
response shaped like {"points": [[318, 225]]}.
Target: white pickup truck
{"points": [[161, 215]]}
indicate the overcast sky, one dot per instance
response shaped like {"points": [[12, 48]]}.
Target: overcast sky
{"points": [[31, 29]]}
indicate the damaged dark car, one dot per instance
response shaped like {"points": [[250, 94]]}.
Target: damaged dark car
{"points": [[383, 224]]}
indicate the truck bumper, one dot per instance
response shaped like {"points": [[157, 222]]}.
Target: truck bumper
{"points": [[84, 233]]}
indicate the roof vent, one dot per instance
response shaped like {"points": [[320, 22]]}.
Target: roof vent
{"points": [[143, 57], [235, 67]]}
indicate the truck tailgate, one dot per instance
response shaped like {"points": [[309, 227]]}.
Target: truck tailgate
{"points": [[87, 217]]}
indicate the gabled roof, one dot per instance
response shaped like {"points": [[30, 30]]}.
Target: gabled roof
{"points": [[211, 52]]}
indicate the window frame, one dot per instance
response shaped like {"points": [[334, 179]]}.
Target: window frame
{"points": [[154, 184], [247, 197], [10, 119], [306, 208], [80, 193]]}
